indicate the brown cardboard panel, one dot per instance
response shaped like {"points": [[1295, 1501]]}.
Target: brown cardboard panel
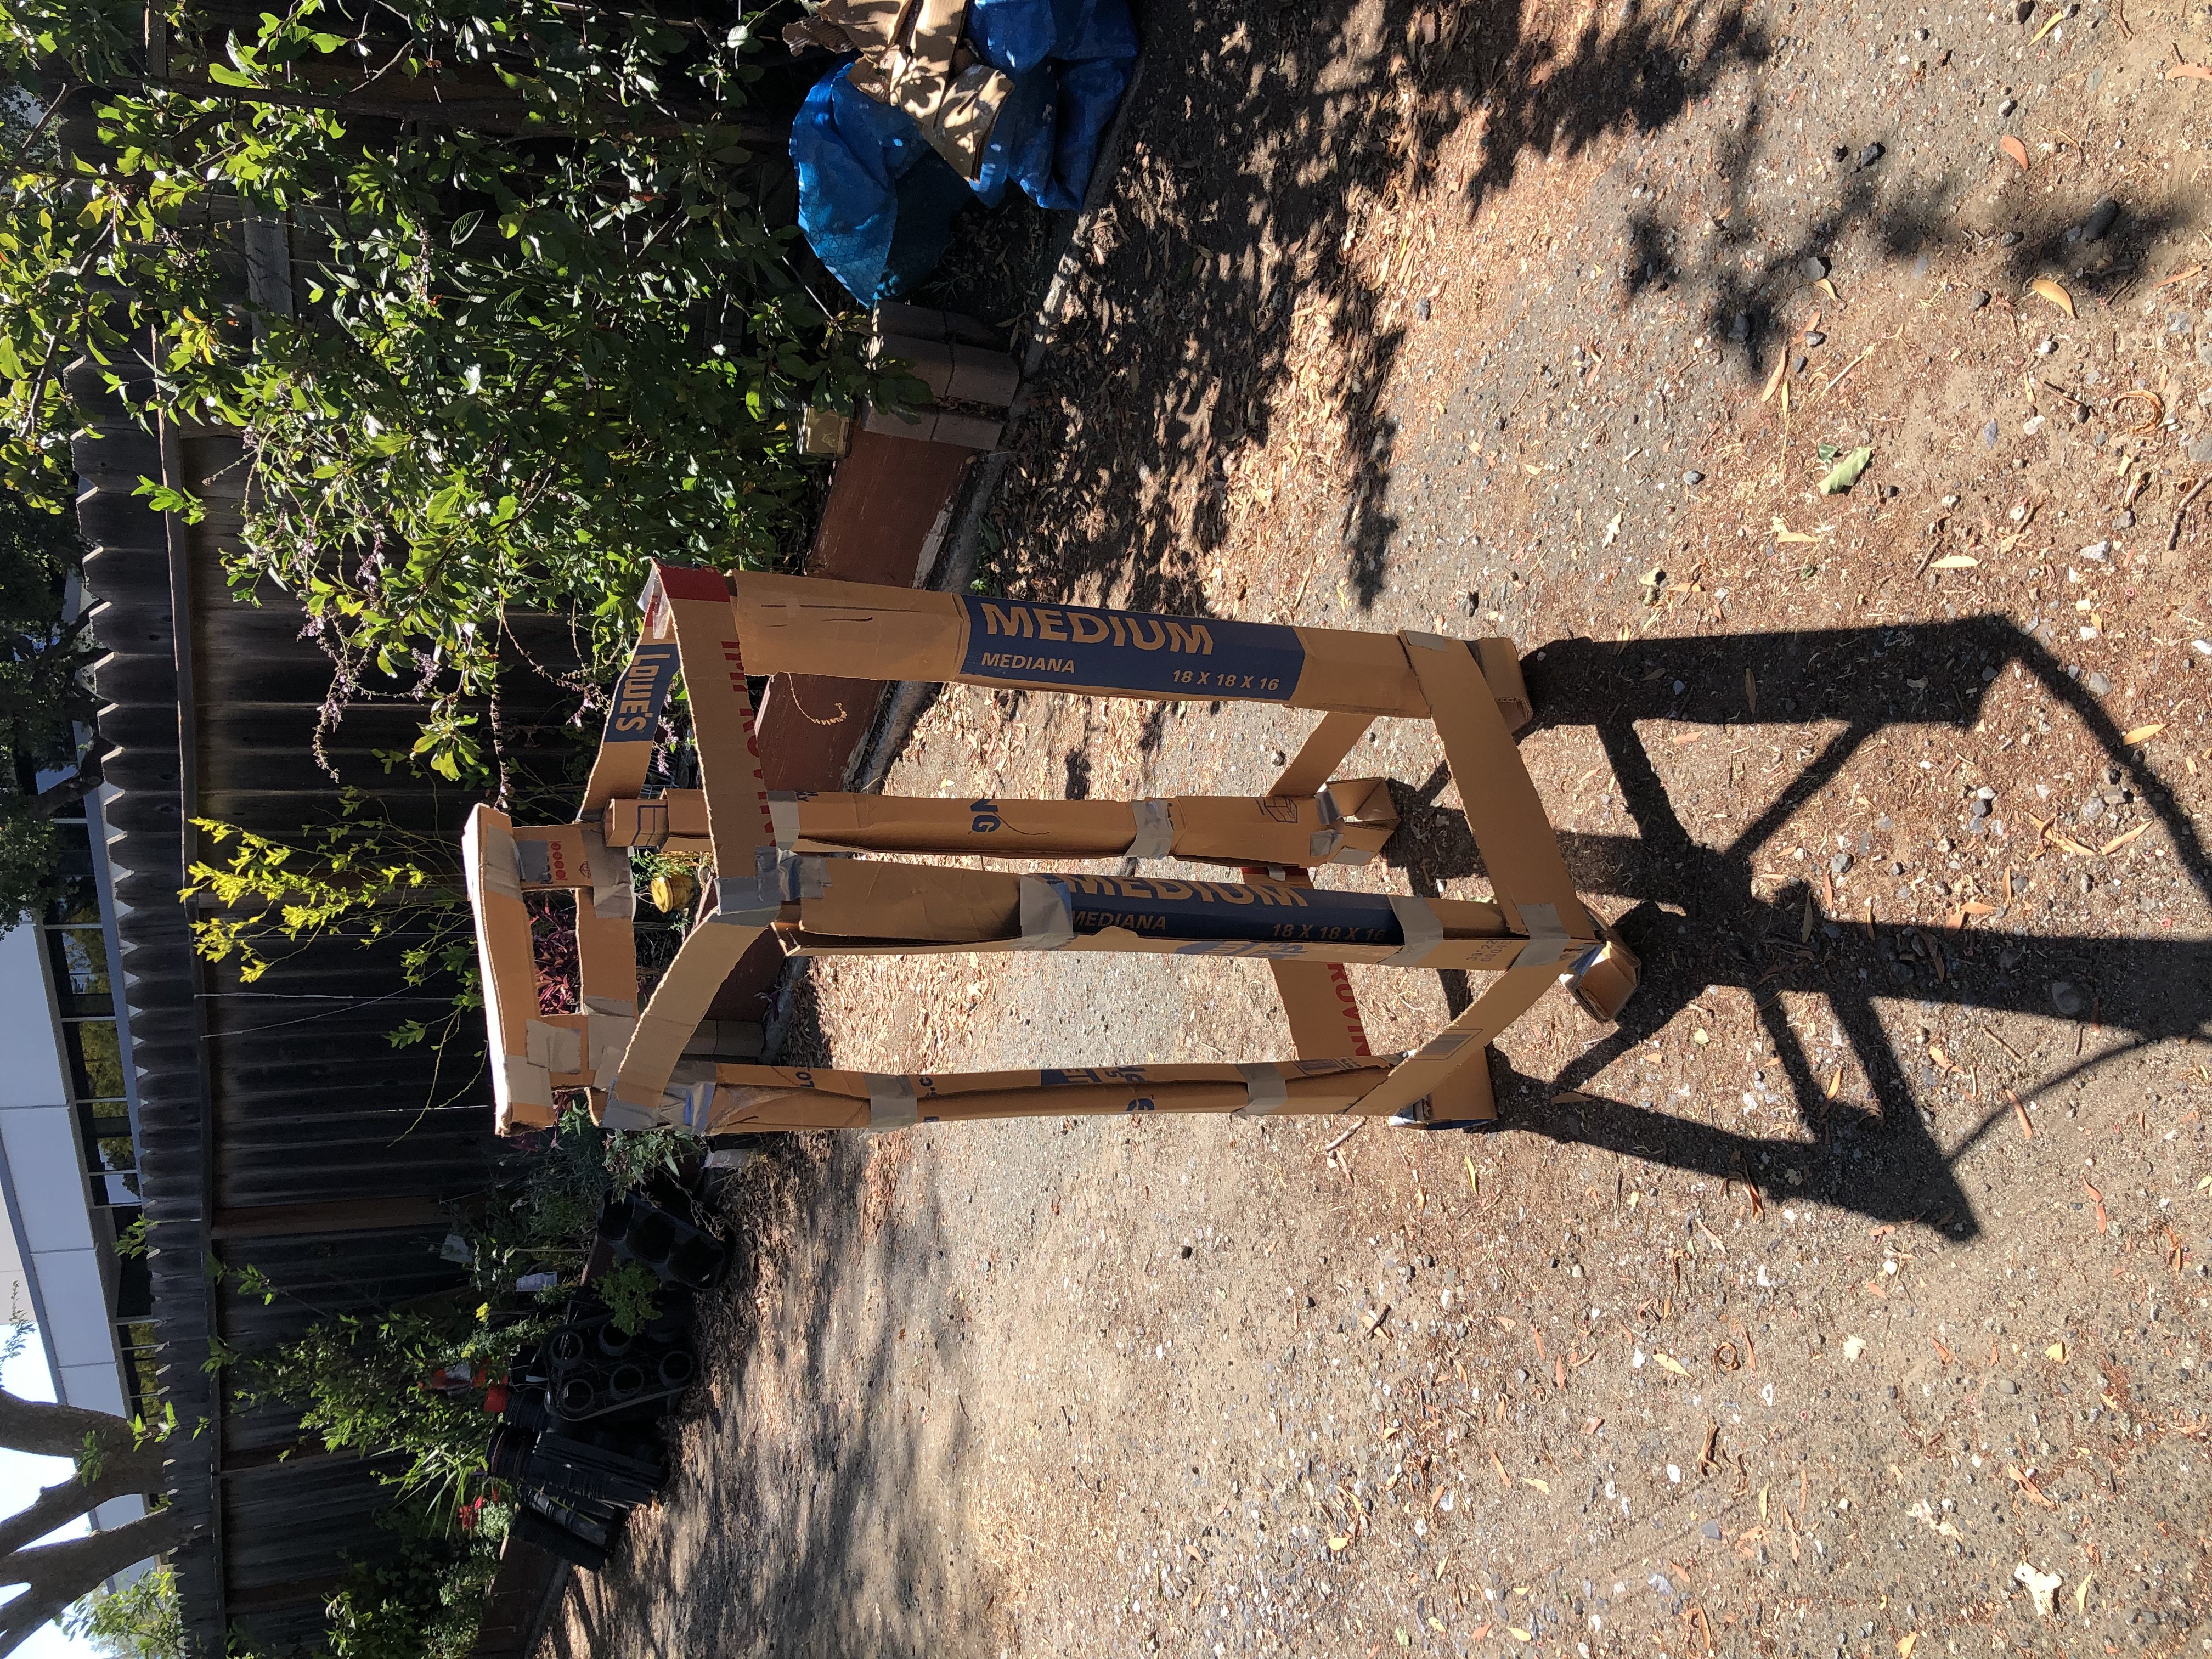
{"points": [[1321, 1009], [804, 625], [1460, 1043], [678, 1004], [1501, 666], [1504, 814], [522, 1093], [674, 821], [1321, 753], [632, 722], [922, 902], [606, 960], [738, 819], [551, 856]]}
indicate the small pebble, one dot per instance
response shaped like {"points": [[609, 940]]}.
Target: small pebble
{"points": [[2066, 997], [1980, 301], [2102, 218], [2010, 239], [2126, 521], [1870, 155], [1989, 436], [1693, 476], [1813, 337], [2008, 1387], [1421, 310], [2007, 106], [1797, 363], [1814, 268], [2100, 685], [2097, 550], [1841, 864]]}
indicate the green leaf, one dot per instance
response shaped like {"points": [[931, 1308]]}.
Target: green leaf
{"points": [[1846, 471], [223, 75]]}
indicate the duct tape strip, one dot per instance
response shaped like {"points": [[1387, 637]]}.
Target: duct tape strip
{"points": [[527, 1083], [1444, 1045], [1430, 642], [502, 869], [1353, 855], [1423, 930], [698, 1103], [890, 1101], [1155, 836], [611, 1035], [1265, 1089], [614, 895], [614, 1007], [556, 1048], [620, 1113], [797, 875], [1547, 939], [783, 813], [1046, 923], [1322, 847]]}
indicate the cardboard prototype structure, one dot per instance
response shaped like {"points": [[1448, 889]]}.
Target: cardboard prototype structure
{"points": [[793, 865]]}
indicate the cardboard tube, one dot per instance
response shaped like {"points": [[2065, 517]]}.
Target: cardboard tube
{"points": [[522, 1092], [762, 1099]]}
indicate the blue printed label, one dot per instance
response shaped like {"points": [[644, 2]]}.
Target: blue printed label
{"points": [[641, 695], [1074, 646], [1254, 919]]}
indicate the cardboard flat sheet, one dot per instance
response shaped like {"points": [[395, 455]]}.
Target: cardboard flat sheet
{"points": [[1321, 1009], [633, 723]]}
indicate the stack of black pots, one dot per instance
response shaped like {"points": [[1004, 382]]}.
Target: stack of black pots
{"points": [[579, 1413]]}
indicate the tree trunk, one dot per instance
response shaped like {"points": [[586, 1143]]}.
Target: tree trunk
{"points": [[138, 1471], [56, 1575], [47, 1429]]}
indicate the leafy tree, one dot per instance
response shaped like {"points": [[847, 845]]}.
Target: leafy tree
{"points": [[143, 1620], [545, 328], [115, 1457], [42, 698]]}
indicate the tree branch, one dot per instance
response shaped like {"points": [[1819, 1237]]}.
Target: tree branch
{"points": [[139, 1471], [48, 1430], [55, 1575]]}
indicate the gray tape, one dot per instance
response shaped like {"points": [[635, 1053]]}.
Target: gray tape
{"points": [[1444, 1045], [1353, 855], [1046, 924], [1322, 847], [1155, 836], [698, 1102], [750, 903], [797, 875], [556, 1048], [613, 1007], [614, 895], [1423, 929], [1547, 939], [533, 862], [783, 813], [1430, 642], [890, 1101], [525, 1084], [1265, 1089], [501, 874], [620, 1113]]}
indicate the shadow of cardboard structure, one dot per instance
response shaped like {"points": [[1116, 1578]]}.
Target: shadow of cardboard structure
{"points": [[786, 863]]}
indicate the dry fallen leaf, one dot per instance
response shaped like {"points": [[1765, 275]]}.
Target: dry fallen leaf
{"points": [[2043, 287], [2081, 1593], [2188, 72], [1751, 690], [2057, 16], [1854, 1346], [1782, 532], [2015, 149], [1829, 289], [1339, 1542], [1774, 380], [2122, 840], [2141, 733], [2056, 1350], [2025, 1481], [1543, 1486], [1905, 1643], [1667, 1362], [1955, 561], [2178, 276]]}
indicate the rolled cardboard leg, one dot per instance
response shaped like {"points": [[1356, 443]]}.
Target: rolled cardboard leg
{"points": [[1466, 1096]]}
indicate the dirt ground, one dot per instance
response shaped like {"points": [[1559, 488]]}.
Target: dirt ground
{"points": [[1861, 1271]]}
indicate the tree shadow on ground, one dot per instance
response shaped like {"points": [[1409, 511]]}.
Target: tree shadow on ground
{"points": [[812, 1477], [1717, 932]]}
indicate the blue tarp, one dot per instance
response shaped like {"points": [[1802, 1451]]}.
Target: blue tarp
{"points": [[877, 204]]}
